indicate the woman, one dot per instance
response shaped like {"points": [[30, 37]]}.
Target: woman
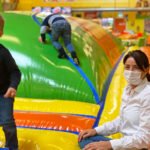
{"points": [[134, 119]]}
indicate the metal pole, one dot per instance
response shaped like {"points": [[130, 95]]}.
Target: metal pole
{"points": [[111, 9]]}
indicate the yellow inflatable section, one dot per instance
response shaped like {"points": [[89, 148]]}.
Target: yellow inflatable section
{"points": [[31, 139], [55, 106]]}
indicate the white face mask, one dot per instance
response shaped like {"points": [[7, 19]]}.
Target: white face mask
{"points": [[133, 77]]}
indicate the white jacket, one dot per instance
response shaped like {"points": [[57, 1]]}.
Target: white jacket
{"points": [[134, 119]]}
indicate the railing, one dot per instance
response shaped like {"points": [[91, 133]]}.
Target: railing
{"points": [[110, 9]]}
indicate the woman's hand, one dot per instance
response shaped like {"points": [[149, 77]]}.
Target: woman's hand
{"points": [[102, 145], [86, 133]]}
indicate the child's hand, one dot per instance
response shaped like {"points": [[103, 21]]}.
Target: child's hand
{"points": [[40, 40]]}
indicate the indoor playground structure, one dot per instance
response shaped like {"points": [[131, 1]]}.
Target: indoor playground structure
{"points": [[57, 99]]}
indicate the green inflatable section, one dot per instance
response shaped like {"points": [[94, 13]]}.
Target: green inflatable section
{"points": [[44, 76]]}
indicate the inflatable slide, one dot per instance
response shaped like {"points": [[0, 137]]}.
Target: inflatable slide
{"points": [[57, 99]]}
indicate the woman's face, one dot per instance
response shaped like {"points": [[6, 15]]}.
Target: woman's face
{"points": [[131, 65]]}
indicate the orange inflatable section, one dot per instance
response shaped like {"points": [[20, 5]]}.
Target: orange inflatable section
{"points": [[104, 40], [63, 122]]}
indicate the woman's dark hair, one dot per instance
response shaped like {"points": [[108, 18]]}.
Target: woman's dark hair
{"points": [[141, 60]]}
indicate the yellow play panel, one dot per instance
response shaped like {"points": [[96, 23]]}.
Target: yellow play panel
{"points": [[32, 139]]}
